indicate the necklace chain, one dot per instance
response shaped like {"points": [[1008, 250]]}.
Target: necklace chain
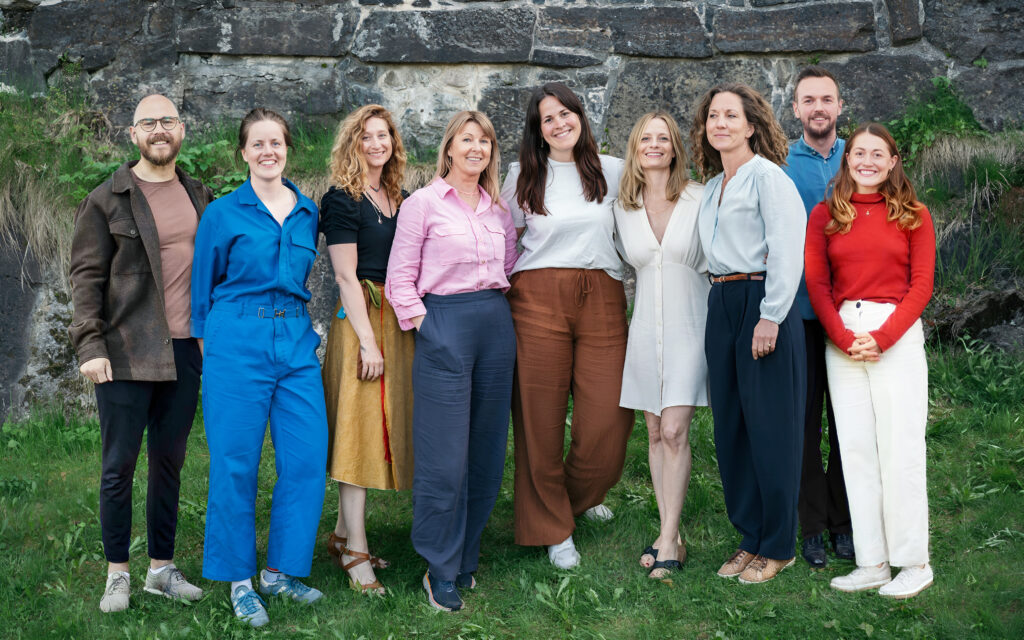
{"points": [[376, 207]]}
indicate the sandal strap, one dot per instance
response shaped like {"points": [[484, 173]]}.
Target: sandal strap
{"points": [[360, 558]]}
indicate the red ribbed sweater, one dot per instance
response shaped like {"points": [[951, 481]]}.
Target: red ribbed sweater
{"points": [[875, 260]]}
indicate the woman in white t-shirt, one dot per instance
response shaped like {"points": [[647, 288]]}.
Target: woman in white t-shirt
{"points": [[569, 310]]}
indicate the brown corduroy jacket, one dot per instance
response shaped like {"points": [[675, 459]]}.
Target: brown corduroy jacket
{"points": [[116, 281]]}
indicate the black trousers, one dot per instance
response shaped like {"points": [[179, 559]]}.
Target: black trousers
{"points": [[758, 407], [823, 503], [126, 408]]}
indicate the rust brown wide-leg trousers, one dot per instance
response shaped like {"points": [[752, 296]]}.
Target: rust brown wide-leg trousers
{"points": [[571, 338]]}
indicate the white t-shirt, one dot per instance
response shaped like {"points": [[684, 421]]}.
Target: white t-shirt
{"points": [[575, 234]]}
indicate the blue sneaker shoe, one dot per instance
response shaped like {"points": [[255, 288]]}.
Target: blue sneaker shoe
{"points": [[465, 581], [442, 594], [249, 606], [286, 585]]}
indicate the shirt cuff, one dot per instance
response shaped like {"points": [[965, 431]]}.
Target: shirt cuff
{"points": [[405, 314]]}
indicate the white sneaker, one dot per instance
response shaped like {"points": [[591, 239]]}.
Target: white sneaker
{"points": [[910, 582], [863, 578], [171, 583], [600, 513], [115, 596], [564, 555]]}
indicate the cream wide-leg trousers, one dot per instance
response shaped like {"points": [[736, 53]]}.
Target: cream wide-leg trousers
{"points": [[881, 411]]}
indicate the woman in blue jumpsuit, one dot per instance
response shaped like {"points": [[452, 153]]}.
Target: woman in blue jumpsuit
{"points": [[254, 251]]}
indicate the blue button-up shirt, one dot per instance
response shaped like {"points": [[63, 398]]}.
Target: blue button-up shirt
{"points": [[811, 173], [757, 227], [243, 256]]}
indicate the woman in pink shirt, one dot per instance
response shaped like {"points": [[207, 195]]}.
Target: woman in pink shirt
{"points": [[453, 250], [870, 264]]}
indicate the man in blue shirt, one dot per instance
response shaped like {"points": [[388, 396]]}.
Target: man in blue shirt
{"points": [[813, 160]]}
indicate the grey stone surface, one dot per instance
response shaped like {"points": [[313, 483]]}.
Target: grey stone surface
{"points": [[878, 86], [470, 34], [675, 86], [904, 20], [995, 95], [89, 31], [261, 28], [19, 279], [968, 30], [663, 32], [17, 68], [842, 26]]}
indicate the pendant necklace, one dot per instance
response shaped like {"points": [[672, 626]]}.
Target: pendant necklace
{"points": [[380, 214]]}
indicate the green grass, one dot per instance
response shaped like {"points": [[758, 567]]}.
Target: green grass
{"points": [[50, 542]]}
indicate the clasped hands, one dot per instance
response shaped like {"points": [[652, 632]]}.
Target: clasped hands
{"points": [[864, 348]]}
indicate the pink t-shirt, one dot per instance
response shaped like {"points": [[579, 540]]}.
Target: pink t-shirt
{"points": [[442, 246]]}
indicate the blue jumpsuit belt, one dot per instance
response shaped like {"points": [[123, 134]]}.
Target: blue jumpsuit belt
{"points": [[262, 310]]}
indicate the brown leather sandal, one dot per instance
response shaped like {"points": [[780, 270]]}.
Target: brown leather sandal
{"points": [[375, 587], [336, 544]]}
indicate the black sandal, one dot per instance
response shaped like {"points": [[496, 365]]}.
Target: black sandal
{"points": [[668, 566], [649, 551]]}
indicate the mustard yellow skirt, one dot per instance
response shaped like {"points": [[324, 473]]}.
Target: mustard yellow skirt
{"points": [[369, 421]]}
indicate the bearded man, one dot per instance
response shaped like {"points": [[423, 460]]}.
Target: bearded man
{"points": [[131, 266]]}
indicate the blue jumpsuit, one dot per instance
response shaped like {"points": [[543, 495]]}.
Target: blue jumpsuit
{"points": [[249, 305]]}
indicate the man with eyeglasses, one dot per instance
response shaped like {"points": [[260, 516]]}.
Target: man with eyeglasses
{"points": [[131, 266]]}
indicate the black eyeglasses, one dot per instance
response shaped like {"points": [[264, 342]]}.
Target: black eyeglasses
{"points": [[167, 123]]}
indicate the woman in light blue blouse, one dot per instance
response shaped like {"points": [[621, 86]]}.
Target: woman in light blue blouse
{"points": [[751, 225], [254, 250]]}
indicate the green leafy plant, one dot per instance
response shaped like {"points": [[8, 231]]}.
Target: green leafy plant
{"points": [[937, 112]]}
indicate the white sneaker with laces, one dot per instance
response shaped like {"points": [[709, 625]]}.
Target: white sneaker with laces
{"points": [[910, 582], [863, 578], [564, 555], [115, 596], [171, 583], [600, 513]]}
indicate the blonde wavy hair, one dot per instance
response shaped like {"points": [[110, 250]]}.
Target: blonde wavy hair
{"points": [[348, 169], [768, 139], [489, 177], [900, 197], [633, 181]]}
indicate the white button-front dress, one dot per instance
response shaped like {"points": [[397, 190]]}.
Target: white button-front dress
{"points": [[665, 363]]}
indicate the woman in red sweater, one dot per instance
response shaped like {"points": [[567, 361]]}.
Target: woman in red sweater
{"points": [[870, 263]]}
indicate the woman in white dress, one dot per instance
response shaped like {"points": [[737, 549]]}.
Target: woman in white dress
{"points": [[665, 374]]}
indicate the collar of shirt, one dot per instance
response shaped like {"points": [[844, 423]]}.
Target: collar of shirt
{"points": [[803, 147], [443, 189], [247, 196]]}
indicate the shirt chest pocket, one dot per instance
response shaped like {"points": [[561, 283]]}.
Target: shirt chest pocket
{"points": [[301, 254], [496, 236], [129, 253], [451, 244]]}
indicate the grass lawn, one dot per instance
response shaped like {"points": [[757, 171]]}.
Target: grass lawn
{"points": [[50, 545]]}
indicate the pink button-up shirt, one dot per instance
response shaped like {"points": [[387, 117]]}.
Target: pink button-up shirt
{"points": [[442, 246]]}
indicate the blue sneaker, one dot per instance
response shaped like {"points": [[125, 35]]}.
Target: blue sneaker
{"points": [[286, 585], [249, 606], [442, 594], [465, 581]]}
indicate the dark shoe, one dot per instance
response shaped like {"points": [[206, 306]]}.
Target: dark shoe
{"points": [[465, 581], [843, 545], [662, 569], [814, 552], [441, 594]]}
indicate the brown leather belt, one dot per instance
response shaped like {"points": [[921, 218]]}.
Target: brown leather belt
{"points": [[733, 277]]}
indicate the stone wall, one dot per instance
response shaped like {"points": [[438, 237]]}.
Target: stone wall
{"points": [[426, 59]]}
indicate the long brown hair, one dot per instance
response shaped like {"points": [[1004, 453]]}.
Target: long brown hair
{"points": [[533, 153], [489, 176], [348, 167], [633, 181], [768, 139], [899, 194]]}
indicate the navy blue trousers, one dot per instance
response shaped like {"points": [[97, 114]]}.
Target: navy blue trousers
{"points": [[462, 386], [758, 407]]}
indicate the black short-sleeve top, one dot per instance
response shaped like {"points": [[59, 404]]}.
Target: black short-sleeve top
{"points": [[345, 221]]}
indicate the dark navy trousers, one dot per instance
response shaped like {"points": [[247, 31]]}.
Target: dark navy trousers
{"points": [[462, 386], [758, 408]]}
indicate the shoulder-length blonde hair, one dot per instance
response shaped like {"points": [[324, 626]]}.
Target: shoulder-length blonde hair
{"points": [[899, 194], [633, 181], [768, 139], [348, 167], [489, 177]]}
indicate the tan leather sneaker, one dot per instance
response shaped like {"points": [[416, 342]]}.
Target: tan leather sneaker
{"points": [[735, 565], [762, 569]]}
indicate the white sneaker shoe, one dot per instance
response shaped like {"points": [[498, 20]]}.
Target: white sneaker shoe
{"points": [[863, 578], [910, 582], [171, 583], [115, 596], [600, 513], [564, 555]]}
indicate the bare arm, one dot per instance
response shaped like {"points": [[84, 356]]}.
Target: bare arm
{"points": [[344, 259]]}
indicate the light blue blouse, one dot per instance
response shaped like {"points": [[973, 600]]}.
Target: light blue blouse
{"points": [[759, 226]]}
